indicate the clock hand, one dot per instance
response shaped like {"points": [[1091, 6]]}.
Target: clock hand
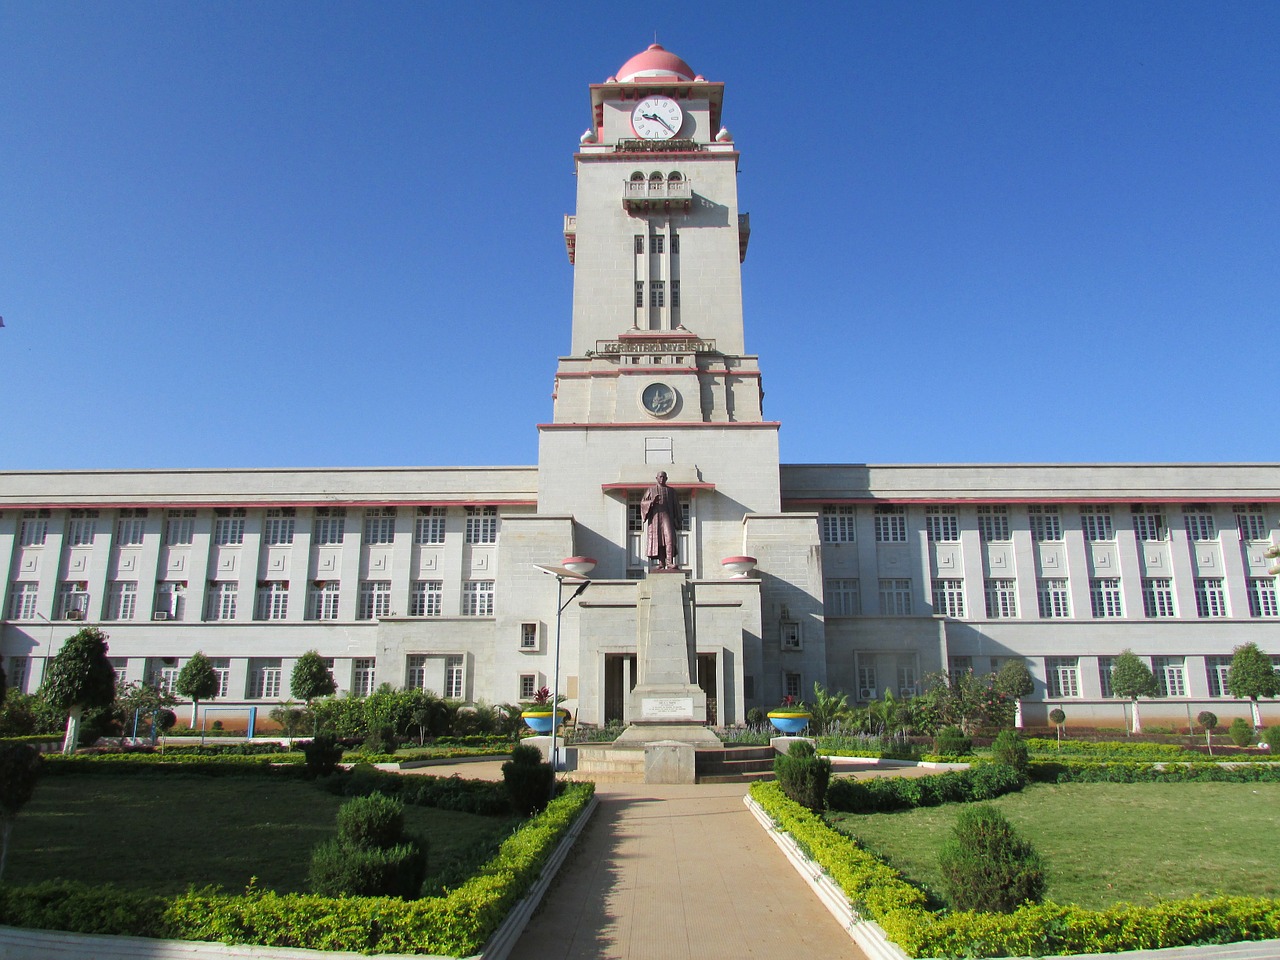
{"points": [[654, 116]]}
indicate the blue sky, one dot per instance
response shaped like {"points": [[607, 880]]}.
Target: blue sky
{"points": [[329, 234]]}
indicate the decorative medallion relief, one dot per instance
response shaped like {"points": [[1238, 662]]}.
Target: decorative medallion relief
{"points": [[78, 562], [327, 561], [30, 563], [1155, 557], [379, 560], [127, 562], [998, 559], [1104, 557], [177, 563], [228, 562], [948, 557], [429, 561], [1052, 558]]}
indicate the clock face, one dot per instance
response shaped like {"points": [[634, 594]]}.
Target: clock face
{"points": [[659, 399], [657, 118]]}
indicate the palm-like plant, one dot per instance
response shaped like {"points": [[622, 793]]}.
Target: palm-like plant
{"points": [[826, 709]]}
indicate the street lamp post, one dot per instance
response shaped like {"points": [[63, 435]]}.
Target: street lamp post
{"points": [[575, 570]]}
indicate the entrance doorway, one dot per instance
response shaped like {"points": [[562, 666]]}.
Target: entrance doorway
{"points": [[614, 678], [707, 683]]}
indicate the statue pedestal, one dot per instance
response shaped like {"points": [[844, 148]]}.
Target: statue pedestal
{"points": [[666, 703]]}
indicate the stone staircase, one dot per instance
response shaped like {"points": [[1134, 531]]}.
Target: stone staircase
{"points": [[607, 764], [735, 764]]}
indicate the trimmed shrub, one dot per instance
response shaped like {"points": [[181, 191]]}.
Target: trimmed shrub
{"points": [[1273, 738], [529, 781], [1240, 732], [1010, 749], [986, 866], [372, 821], [1076, 771], [323, 754], [371, 856], [885, 794], [951, 742], [803, 775]]}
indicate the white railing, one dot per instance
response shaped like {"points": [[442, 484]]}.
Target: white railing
{"points": [[658, 190]]}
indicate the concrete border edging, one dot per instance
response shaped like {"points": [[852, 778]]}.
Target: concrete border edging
{"points": [[864, 933]]}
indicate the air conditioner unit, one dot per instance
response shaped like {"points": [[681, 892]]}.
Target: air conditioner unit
{"points": [[160, 615], [75, 614], [867, 693]]}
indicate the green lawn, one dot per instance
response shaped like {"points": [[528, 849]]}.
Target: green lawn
{"points": [[165, 833], [1107, 843]]}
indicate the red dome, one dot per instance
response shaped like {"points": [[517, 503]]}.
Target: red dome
{"points": [[654, 62]]}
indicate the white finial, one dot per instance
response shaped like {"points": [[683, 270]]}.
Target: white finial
{"points": [[724, 136], [588, 136]]}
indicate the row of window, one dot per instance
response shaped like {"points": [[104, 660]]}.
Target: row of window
{"points": [[271, 601], [844, 598], [658, 293], [942, 524], [329, 526], [657, 243], [1062, 675]]}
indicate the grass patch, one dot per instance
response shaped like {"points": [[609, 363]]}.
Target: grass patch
{"points": [[164, 833], [1109, 843]]}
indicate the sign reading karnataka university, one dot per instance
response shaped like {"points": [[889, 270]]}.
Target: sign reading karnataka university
{"points": [[689, 345]]}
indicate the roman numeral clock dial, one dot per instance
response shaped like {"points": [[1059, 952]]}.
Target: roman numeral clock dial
{"points": [[657, 118]]}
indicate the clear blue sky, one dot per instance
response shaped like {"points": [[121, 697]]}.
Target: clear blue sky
{"points": [[329, 234]]}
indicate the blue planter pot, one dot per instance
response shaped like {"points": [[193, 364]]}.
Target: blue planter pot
{"points": [[540, 721], [789, 723]]}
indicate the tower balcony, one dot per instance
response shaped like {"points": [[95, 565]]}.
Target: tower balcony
{"points": [[646, 196], [570, 235]]}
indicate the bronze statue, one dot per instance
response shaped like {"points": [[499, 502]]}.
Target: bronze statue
{"points": [[660, 510]]}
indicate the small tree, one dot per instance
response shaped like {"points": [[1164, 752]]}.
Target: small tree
{"points": [[136, 700], [827, 708], [1131, 679], [1057, 716], [1014, 681], [987, 866], [1252, 676], [19, 771], [290, 719], [311, 680], [78, 678], [1209, 721], [1010, 749], [198, 680], [1240, 732]]}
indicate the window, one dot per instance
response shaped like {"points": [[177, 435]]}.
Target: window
{"points": [[16, 672], [1157, 597], [228, 526], [222, 675], [264, 678], [528, 636], [482, 525], [1105, 666], [1262, 597], [1053, 599], [73, 601], [380, 525], [838, 523], [1210, 599], [866, 681], [528, 685], [279, 527], [415, 672], [273, 600], [790, 634], [791, 686], [164, 677], [1170, 673], [322, 600], [1096, 523], [22, 601], [374, 600], [843, 598], [958, 667], [1104, 597], [130, 527], [1199, 522], [639, 247], [429, 526], [1002, 599], [993, 523], [222, 600], [425, 598], [179, 527], [1046, 524], [657, 293], [895, 598], [657, 243], [171, 601], [1216, 670], [83, 526], [1251, 521], [675, 237], [1149, 523], [891, 523], [906, 679], [943, 525], [34, 529], [362, 673], [675, 297], [639, 293], [124, 600], [1063, 675], [477, 598], [331, 523], [948, 598], [453, 686]]}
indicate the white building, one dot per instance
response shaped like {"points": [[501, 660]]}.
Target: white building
{"points": [[867, 577]]}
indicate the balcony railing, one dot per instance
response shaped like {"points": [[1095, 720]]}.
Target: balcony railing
{"points": [[657, 195]]}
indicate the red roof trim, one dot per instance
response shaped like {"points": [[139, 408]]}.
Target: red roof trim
{"points": [[256, 504], [652, 424], [982, 501], [645, 484]]}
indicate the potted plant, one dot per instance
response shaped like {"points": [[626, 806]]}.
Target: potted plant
{"points": [[791, 716], [539, 715]]}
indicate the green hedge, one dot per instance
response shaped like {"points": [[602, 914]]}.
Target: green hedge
{"points": [[1119, 750], [882, 794], [880, 894], [1079, 771], [482, 797], [457, 924], [144, 763]]}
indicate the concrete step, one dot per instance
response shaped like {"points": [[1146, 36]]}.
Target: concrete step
{"points": [[736, 777]]}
